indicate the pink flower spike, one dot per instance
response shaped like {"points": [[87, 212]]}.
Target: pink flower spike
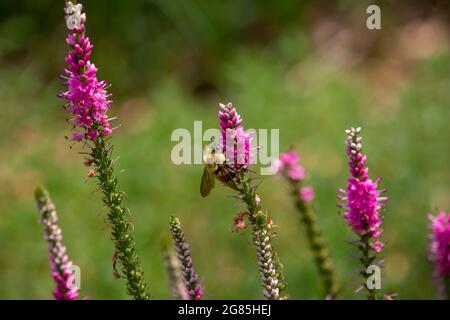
{"points": [[77, 136], [296, 173], [289, 158], [86, 96], [363, 203], [440, 243], [377, 246], [288, 165], [235, 142], [362, 200], [229, 118], [307, 194]]}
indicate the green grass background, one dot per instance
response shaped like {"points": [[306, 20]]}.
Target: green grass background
{"points": [[152, 53]]}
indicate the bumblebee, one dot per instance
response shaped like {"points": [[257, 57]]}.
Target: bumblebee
{"points": [[215, 168]]}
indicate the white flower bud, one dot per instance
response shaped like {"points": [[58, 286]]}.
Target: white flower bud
{"points": [[74, 17]]}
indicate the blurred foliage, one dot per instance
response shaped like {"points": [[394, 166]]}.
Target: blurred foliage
{"points": [[169, 63]]}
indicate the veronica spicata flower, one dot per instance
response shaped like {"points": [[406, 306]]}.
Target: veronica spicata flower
{"points": [[289, 165], [236, 144], [440, 251], [88, 102], [86, 97], [236, 153], [363, 203], [307, 194], [60, 263]]}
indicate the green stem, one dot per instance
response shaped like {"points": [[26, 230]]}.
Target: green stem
{"points": [[317, 244], [269, 268], [122, 229], [367, 259], [446, 288]]}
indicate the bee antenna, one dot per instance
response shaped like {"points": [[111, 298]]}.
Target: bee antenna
{"points": [[257, 185]]}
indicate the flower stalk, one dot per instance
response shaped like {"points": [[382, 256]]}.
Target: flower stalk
{"points": [[236, 146], [318, 247], [87, 101], [290, 168], [60, 264], [118, 218], [190, 277], [272, 278], [367, 258], [363, 203]]}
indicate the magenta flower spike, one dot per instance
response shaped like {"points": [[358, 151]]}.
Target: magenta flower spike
{"points": [[88, 101], [60, 263], [439, 250], [236, 144], [307, 194], [228, 116], [363, 203], [86, 97], [289, 166]]}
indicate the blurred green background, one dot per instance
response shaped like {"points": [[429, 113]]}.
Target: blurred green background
{"points": [[310, 68]]}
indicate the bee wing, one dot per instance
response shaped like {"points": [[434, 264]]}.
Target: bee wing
{"points": [[229, 178], [208, 181]]}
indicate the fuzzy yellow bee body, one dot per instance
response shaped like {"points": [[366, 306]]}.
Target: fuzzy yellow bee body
{"points": [[215, 168]]}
